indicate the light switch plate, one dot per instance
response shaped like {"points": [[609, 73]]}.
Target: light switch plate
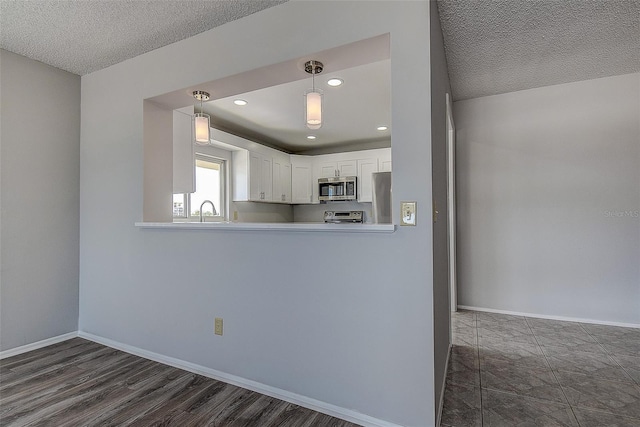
{"points": [[408, 213]]}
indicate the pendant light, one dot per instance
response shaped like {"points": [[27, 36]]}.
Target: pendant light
{"points": [[313, 97], [201, 123]]}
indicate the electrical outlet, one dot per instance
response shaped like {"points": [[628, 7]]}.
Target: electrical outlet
{"points": [[218, 326], [408, 213]]}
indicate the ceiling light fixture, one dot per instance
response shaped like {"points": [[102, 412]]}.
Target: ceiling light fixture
{"points": [[202, 123], [381, 128], [311, 137], [313, 97], [334, 82], [240, 102]]}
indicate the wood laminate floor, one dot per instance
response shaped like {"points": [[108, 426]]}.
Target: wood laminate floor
{"points": [[82, 383]]}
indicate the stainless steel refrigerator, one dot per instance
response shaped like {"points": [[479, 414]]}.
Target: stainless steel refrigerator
{"points": [[381, 184]]}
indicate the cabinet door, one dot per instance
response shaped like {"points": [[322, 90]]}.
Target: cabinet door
{"points": [[285, 182], [384, 161], [347, 168], [365, 168], [266, 181], [328, 169], [301, 182], [255, 177], [277, 180]]}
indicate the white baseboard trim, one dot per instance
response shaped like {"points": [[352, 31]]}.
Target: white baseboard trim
{"points": [[36, 345], [544, 316], [444, 386], [297, 399]]}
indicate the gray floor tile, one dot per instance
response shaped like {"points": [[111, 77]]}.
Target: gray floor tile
{"points": [[507, 410], [506, 335], [594, 393], [588, 418], [463, 367], [513, 352], [623, 347], [571, 342], [568, 333], [461, 406], [522, 380], [616, 332], [518, 324], [497, 317], [464, 339], [631, 364], [598, 365], [463, 318], [554, 325], [540, 372]]}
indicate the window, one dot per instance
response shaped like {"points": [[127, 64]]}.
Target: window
{"points": [[210, 187]]}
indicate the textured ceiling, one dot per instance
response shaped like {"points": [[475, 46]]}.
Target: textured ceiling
{"points": [[82, 36], [499, 46]]}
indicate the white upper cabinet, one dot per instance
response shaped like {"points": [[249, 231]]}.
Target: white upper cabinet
{"points": [[332, 168], [360, 164], [384, 160], [301, 179], [281, 181], [365, 168], [184, 168], [252, 177]]}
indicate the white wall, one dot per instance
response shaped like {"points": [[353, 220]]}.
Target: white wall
{"points": [[40, 135], [545, 177], [359, 337]]}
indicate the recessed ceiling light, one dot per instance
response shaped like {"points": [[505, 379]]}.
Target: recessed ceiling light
{"points": [[335, 82], [311, 137], [240, 102], [381, 128]]}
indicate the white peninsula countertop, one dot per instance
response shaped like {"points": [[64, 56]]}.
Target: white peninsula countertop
{"points": [[271, 226]]}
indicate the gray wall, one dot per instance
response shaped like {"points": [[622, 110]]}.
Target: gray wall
{"points": [[441, 306], [549, 200], [40, 162], [358, 335]]}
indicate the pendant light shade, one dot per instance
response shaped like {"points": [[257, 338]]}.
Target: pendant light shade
{"points": [[313, 97], [202, 122], [202, 128], [314, 109]]}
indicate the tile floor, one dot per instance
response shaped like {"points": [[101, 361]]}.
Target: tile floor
{"points": [[521, 371]]}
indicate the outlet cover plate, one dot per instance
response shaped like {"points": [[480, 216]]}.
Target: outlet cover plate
{"points": [[218, 326], [408, 213]]}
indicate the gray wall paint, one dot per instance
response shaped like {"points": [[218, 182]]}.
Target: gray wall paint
{"points": [[351, 330], [40, 134], [441, 306], [548, 200]]}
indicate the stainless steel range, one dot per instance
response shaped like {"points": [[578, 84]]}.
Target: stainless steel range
{"points": [[339, 217]]}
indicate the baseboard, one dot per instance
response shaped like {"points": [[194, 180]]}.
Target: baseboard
{"points": [[544, 316], [297, 399], [36, 345], [444, 386]]}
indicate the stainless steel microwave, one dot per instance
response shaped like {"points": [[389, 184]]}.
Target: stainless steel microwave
{"points": [[338, 188]]}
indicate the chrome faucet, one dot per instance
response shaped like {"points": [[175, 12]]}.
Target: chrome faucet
{"points": [[215, 212]]}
